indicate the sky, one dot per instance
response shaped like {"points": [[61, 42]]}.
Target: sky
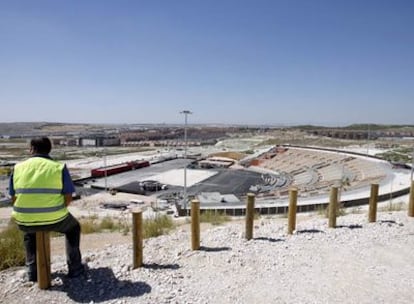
{"points": [[265, 62]]}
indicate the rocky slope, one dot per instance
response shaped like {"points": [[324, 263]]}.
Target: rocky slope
{"points": [[358, 262]]}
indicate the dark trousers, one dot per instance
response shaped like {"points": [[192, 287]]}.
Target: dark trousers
{"points": [[69, 227]]}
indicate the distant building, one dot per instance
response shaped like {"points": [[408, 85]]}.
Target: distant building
{"points": [[216, 199], [216, 162], [99, 141], [88, 142]]}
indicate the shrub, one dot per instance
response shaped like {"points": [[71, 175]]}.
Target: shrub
{"points": [[89, 225], [322, 210], [12, 251], [393, 207], [124, 225], [156, 226], [107, 224], [93, 224], [213, 217], [340, 210]]}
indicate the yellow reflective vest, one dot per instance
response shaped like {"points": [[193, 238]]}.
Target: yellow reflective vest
{"points": [[38, 187]]}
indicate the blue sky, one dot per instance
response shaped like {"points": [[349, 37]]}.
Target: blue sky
{"points": [[243, 62]]}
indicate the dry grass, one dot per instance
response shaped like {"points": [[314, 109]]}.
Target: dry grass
{"points": [[232, 155], [93, 224], [12, 251], [214, 218], [399, 206], [324, 211], [158, 225], [152, 227]]}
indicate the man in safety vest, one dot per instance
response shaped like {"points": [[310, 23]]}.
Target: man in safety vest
{"points": [[41, 189]]}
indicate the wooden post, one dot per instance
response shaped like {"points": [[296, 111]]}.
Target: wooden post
{"points": [[333, 202], [43, 259], [411, 202], [373, 200], [195, 225], [293, 195], [137, 238], [249, 215]]}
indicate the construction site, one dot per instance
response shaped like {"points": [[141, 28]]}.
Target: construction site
{"points": [[221, 174], [170, 181]]}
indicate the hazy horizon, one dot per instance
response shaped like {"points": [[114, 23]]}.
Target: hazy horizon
{"points": [[207, 124]]}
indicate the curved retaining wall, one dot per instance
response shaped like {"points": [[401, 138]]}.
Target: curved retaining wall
{"points": [[241, 210]]}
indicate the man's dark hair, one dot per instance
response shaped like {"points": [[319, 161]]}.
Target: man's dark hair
{"points": [[41, 145]]}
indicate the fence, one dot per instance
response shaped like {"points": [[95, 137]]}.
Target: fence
{"points": [[43, 240]]}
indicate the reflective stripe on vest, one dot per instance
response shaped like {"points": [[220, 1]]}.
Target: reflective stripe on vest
{"points": [[38, 210], [38, 191]]}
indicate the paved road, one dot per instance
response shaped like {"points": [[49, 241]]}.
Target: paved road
{"points": [[235, 182], [226, 181]]}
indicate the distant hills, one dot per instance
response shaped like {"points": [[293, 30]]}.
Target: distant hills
{"points": [[45, 128], [61, 128], [357, 127]]}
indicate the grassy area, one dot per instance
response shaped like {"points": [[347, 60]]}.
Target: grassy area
{"points": [[5, 171], [157, 225], [214, 218], [306, 141], [398, 206], [152, 227], [396, 156], [232, 155], [93, 224], [12, 251], [68, 153]]}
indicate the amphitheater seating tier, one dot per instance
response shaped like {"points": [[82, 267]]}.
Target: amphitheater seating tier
{"points": [[316, 171]]}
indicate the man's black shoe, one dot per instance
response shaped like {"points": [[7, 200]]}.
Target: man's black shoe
{"points": [[81, 270], [31, 277]]}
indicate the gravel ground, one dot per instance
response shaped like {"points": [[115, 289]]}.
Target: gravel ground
{"points": [[358, 262]]}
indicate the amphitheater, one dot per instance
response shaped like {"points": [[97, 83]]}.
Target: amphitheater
{"points": [[269, 173], [314, 171]]}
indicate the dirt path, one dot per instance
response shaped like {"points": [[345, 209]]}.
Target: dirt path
{"points": [[91, 242]]}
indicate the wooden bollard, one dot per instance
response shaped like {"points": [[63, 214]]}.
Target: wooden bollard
{"points": [[43, 259], [293, 196], [195, 225], [373, 201], [137, 238], [411, 202], [333, 202], [249, 215]]}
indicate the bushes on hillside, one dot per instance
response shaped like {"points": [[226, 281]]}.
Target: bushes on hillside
{"points": [[12, 251]]}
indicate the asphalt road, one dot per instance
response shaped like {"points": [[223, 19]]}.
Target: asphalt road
{"points": [[227, 181]]}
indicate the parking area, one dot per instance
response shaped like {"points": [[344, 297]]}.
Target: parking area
{"points": [[169, 176]]}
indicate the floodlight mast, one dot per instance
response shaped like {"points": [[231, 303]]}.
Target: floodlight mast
{"points": [[105, 169], [412, 165], [368, 138], [186, 113]]}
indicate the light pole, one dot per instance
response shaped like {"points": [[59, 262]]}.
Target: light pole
{"points": [[368, 136], [105, 169], [185, 112], [412, 165]]}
